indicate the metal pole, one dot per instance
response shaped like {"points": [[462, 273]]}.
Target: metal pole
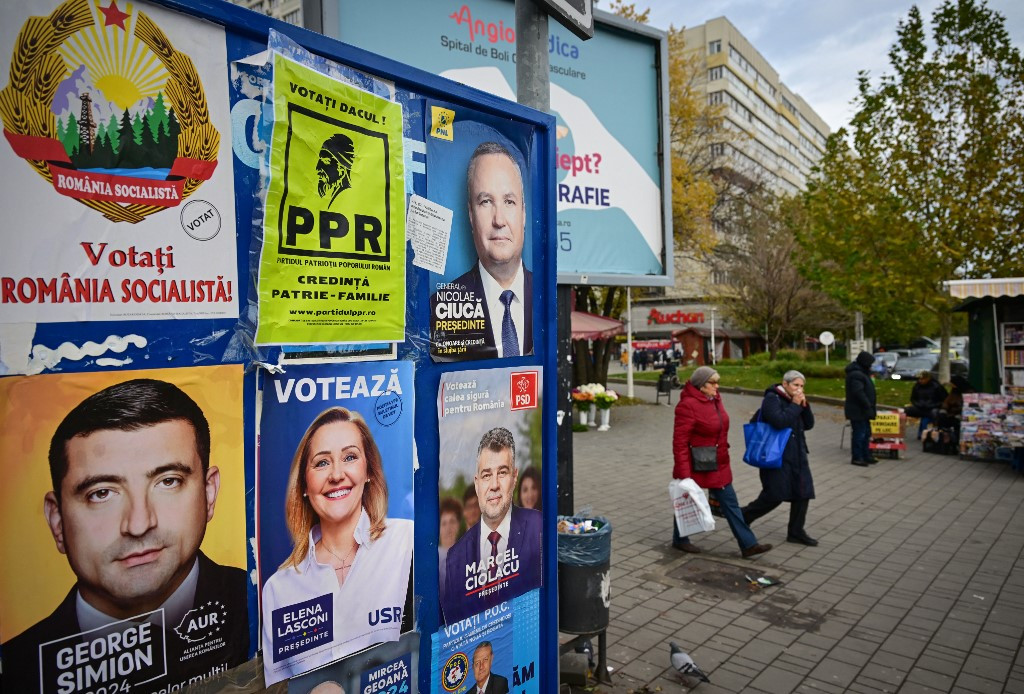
{"points": [[533, 89], [629, 341], [714, 355]]}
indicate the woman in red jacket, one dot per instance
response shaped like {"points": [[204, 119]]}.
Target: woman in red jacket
{"points": [[700, 445]]}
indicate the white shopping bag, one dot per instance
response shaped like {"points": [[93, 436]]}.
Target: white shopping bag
{"points": [[690, 505]]}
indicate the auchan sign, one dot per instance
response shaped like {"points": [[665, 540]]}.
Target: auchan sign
{"points": [[676, 317]]}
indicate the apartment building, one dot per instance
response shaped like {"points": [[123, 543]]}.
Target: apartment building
{"points": [[287, 10], [775, 139]]}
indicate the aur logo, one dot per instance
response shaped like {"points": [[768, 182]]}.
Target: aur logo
{"points": [[454, 672], [104, 108], [202, 622]]}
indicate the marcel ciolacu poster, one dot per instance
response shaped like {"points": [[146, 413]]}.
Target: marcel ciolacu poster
{"points": [[122, 530], [118, 193], [335, 512], [332, 265], [489, 425]]}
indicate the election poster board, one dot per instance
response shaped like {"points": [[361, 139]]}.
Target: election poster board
{"points": [[335, 507], [611, 164], [498, 646], [489, 424], [477, 166], [117, 157], [332, 266], [128, 573]]}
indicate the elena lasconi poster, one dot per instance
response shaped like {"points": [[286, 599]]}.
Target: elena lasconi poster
{"points": [[489, 424], [335, 508]]}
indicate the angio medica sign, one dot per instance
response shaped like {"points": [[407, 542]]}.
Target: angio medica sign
{"points": [[332, 267]]}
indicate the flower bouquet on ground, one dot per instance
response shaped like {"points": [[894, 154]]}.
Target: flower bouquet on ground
{"points": [[604, 399], [583, 397]]}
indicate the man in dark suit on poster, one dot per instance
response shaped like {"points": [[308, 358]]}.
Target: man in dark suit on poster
{"points": [[487, 312], [133, 491], [486, 681], [499, 557]]}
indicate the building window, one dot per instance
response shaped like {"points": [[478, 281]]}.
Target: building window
{"points": [[715, 46], [715, 98], [715, 73], [293, 17], [718, 149]]}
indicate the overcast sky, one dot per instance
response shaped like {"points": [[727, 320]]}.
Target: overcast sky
{"points": [[818, 46]]}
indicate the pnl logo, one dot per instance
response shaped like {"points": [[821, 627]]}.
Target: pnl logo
{"points": [[105, 109], [442, 121], [454, 672], [525, 390]]}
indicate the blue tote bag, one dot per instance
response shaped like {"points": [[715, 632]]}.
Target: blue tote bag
{"points": [[765, 444]]}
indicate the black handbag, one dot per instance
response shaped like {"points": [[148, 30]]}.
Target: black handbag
{"points": [[705, 458]]}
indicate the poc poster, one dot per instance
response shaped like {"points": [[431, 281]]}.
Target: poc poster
{"points": [[117, 161], [481, 307], [489, 424], [332, 266], [335, 509], [122, 530], [496, 649]]}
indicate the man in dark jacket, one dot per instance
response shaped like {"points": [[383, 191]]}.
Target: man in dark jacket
{"points": [[926, 396], [860, 407]]}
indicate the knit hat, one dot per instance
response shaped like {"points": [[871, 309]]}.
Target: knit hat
{"points": [[865, 359], [701, 375]]}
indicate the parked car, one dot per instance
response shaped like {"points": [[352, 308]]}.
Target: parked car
{"points": [[907, 368], [888, 359]]}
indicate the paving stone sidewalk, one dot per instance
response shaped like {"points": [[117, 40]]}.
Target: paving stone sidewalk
{"points": [[917, 585]]}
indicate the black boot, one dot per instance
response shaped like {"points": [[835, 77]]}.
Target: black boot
{"points": [[797, 518]]}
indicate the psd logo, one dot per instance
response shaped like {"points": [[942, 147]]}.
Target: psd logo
{"points": [[336, 200], [442, 122], [104, 108], [202, 622], [454, 672], [525, 390]]}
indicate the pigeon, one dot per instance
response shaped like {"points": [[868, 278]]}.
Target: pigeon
{"points": [[587, 648], [684, 664]]}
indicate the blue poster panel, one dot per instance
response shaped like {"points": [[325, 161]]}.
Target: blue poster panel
{"points": [[489, 423], [481, 307], [494, 651], [335, 506]]}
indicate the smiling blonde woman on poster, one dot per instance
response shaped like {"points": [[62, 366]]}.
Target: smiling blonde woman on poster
{"points": [[345, 585]]}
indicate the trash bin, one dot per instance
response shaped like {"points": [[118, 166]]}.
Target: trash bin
{"points": [[584, 575]]}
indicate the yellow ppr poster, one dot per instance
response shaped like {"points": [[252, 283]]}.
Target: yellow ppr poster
{"points": [[332, 266]]}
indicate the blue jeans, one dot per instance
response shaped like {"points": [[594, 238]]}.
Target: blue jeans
{"points": [[726, 497], [860, 437]]}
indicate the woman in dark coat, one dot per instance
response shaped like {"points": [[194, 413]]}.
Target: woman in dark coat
{"points": [[785, 407], [702, 422]]}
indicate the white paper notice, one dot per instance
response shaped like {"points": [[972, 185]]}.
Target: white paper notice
{"points": [[428, 226]]}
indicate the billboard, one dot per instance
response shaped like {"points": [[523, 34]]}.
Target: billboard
{"points": [[614, 222]]}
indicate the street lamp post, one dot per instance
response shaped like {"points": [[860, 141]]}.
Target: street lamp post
{"points": [[714, 355]]}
